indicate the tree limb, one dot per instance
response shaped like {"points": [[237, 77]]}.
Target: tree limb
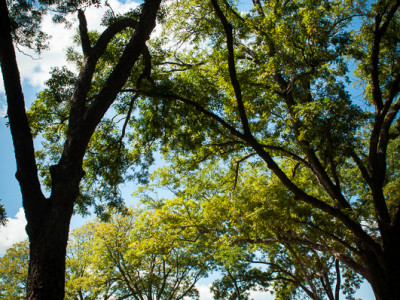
{"points": [[83, 30], [338, 279], [206, 112], [92, 55], [341, 256], [361, 167], [27, 174], [232, 68], [76, 143], [237, 167]]}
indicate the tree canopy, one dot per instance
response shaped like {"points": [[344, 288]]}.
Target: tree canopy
{"points": [[126, 258], [257, 243], [270, 90]]}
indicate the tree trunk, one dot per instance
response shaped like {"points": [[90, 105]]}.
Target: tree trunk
{"points": [[385, 286], [48, 236], [47, 262], [384, 274]]}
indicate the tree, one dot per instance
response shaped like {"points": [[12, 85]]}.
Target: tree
{"points": [[145, 261], [300, 272], [270, 86], [238, 280], [3, 215], [14, 271], [255, 243], [116, 260], [48, 217]]}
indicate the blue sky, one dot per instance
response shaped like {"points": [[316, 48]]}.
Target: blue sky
{"points": [[34, 73]]}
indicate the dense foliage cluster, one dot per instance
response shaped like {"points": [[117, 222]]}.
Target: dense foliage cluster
{"points": [[116, 260], [145, 254]]}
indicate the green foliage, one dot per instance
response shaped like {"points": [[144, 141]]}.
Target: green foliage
{"points": [[124, 258], [144, 263], [114, 156], [389, 54], [25, 18], [260, 237], [237, 281], [14, 272]]}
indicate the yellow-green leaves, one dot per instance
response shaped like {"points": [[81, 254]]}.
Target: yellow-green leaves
{"points": [[14, 272]]}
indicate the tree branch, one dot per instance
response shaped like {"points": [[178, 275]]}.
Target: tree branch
{"points": [[145, 74], [20, 130], [338, 280], [110, 33], [378, 33], [318, 169], [391, 115], [383, 120], [389, 17], [92, 55], [86, 48], [334, 237], [341, 256], [76, 143], [361, 167], [206, 112], [237, 167], [289, 154], [316, 203], [232, 68]]}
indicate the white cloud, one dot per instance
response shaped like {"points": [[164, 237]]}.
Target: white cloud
{"points": [[13, 232], [3, 107], [257, 295], [205, 293], [94, 15]]}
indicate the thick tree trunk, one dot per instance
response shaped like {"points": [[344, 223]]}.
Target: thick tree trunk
{"points": [[48, 221], [384, 274], [48, 234], [385, 286], [47, 262]]}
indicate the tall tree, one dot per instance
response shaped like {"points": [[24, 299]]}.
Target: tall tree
{"points": [[145, 260], [49, 217], [270, 86]]}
